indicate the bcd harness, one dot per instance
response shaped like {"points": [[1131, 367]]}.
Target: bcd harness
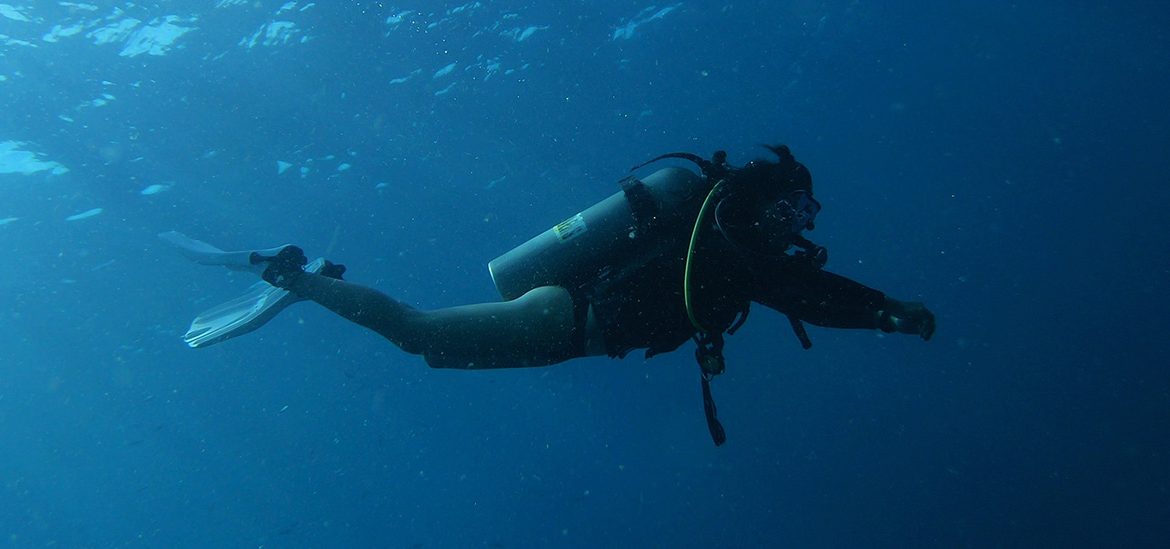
{"points": [[727, 182]]}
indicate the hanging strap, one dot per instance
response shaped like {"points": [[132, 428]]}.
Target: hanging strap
{"points": [[713, 425], [801, 333], [709, 355]]}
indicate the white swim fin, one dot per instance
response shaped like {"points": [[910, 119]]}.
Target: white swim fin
{"points": [[261, 303]]}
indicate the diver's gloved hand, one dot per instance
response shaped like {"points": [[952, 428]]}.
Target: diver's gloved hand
{"points": [[283, 267], [906, 317]]}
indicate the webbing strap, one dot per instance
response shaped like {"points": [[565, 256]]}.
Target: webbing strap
{"points": [[713, 425], [643, 207]]}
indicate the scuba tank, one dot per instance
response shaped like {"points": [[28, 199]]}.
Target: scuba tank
{"points": [[622, 232]]}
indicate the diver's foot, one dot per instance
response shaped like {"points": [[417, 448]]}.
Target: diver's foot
{"points": [[332, 270], [283, 267]]}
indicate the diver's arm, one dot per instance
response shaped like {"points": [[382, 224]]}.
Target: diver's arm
{"points": [[822, 298], [830, 300]]}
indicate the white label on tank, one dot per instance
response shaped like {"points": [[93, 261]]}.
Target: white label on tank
{"points": [[570, 228]]}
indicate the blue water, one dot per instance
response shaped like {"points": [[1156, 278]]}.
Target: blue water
{"points": [[1005, 163]]}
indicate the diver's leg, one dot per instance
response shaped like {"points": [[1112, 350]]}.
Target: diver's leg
{"points": [[539, 328]]}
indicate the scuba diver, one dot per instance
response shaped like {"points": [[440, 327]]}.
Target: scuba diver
{"points": [[673, 257]]}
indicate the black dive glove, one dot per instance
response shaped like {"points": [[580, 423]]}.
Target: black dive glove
{"points": [[906, 317]]}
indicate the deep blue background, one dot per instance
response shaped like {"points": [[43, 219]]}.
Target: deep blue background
{"points": [[1007, 164]]}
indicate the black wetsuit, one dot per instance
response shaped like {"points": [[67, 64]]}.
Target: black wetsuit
{"points": [[646, 309]]}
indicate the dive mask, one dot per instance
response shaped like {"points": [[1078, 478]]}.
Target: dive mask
{"points": [[769, 228]]}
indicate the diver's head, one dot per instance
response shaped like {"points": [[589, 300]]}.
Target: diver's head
{"points": [[772, 179], [768, 204], [766, 227]]}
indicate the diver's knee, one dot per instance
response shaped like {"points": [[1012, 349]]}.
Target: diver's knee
{"points": [[546, 297], [545, 302]]}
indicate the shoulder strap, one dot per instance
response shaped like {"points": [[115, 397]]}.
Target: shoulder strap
{"points": [[643, 206]]}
